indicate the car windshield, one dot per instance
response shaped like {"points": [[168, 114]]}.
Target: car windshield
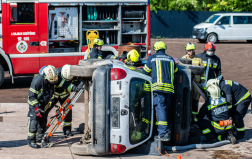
{"points": [[212, 18], [140, 110]]}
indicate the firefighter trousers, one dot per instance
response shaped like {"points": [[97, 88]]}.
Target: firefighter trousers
{"points": [[212, 130], [238, 113], [67, 125], [161, 103]]}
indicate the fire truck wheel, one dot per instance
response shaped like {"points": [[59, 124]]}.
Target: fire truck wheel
{"points": [[81, 128], [185, 61], [1, 75], [82, 71], [86, 62], [79, 149]]}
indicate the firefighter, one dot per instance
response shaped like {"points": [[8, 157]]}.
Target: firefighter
{"points": [[96, 52], [199, 79], [62, 92], [216, 110], [162, 68], [238, 99], [40, 92], [131, 57], [215, 63]]}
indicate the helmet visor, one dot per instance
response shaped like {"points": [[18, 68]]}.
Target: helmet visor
{"points": [[210, 52]]}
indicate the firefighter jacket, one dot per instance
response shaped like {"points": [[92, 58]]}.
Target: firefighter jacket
{"points": [[214, 67], [40, 92], [234, 92], [196, 61], [162, 68], [95, 54], [63, 87], [216, 110]]}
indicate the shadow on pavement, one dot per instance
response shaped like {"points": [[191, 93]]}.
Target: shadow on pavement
{"points": [[13, 143], [7, 112]]}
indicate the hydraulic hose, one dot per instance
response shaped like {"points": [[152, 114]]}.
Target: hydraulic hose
{"points": [[196, 146]]}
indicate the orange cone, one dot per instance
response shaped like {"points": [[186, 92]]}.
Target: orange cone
{"points": [[179, 157]]}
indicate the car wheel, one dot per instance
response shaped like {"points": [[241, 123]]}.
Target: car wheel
{"points": [[212, 38], [202, 40], [249, 41], [185, 61], [82, 71], [196, 70], [1, 74]]}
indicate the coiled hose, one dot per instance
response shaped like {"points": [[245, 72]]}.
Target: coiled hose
{"points": [[196, 146]]}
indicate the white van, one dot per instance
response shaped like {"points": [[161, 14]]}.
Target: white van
{"points": [[224, 26]]}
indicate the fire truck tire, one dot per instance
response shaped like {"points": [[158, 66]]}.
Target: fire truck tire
{"points": [[82, 128], [86, 62], [185, 61], [1, 74], [80, 149], [82, 71]]}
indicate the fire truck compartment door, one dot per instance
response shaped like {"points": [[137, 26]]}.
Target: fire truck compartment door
{"points": [[22, 32]]}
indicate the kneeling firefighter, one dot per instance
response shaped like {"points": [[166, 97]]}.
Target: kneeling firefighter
{"points": [[238, 99], [40, 92], [162, 68], [131, 57], [62, 92], [216, 110], [198, 79], [96, 52]]}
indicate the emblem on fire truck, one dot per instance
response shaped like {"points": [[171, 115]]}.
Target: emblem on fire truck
{"points": [[43, 43], [22, 46]]}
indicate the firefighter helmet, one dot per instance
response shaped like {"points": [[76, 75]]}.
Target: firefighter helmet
{"points": [[210, 48], [133, 55], [51, 74], [41, 71], [65, 72], [213, 91], [215, 81], [159, 45], [190, 46], [98, 42]]}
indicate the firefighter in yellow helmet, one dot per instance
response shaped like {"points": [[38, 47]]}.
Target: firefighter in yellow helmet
{"points": [[131, 57], [199, 79], [96, 52]]}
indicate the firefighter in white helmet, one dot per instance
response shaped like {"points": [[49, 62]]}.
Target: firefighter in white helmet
{"points": [[62, 92], [40, 92], [216, 109]]}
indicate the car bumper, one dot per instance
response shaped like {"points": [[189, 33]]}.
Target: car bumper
{"points": [[199, 35]]}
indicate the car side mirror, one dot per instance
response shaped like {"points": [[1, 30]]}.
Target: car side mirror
{"points": [[218, 23]]}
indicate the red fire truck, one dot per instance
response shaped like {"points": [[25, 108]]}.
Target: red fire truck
{"points": [[38, 33]]}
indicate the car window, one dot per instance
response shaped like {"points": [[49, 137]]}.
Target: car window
{"points": [[224, 20], [242, 19], [212, 18], [140, 110]]}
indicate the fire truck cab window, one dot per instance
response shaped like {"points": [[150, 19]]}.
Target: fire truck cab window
{"points": [[22, 13]]}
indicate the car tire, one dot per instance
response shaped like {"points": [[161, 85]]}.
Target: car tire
{"points": [[88, 61], [1, 75], [79, 149], [202, 40], [82, 71], [196, 70], [185, 61], [81, 128], [249, 41], [212, 38]]}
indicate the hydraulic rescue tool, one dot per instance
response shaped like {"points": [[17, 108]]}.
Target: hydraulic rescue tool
{"points": [[60, 115]]}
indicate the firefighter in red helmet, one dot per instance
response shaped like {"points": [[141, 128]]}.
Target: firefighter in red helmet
{"points": [[211, 62]]}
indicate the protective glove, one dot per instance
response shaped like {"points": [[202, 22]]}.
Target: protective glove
{"points": [[76, 88], [38, 112], [203, 86]]}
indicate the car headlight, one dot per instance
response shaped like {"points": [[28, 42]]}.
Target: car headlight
{"points": [[201, 29]]}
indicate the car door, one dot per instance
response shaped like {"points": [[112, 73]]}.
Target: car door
{"points": [[242, 27], [223, 28]]}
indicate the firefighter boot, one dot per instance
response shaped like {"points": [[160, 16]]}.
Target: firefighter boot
{"points": [[39, 137], [231, 137], [166, 137], [33, 145], [67, 131], [240, 135]]}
